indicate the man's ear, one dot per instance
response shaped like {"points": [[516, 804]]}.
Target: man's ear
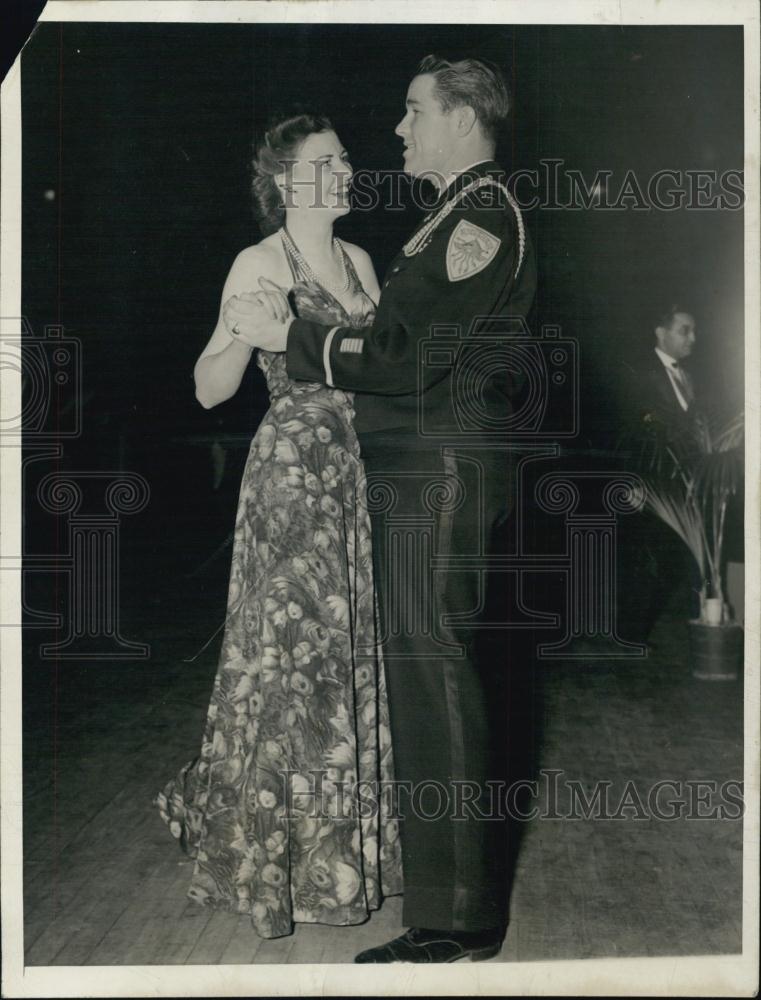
{"points": [[465, 119]]}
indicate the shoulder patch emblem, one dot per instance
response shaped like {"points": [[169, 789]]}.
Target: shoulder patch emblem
{"points": [[470, 250]]}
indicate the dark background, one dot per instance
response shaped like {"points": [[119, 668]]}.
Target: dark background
{"points": [[137, 141]]}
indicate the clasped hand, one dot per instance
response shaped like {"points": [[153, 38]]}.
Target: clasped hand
{"points": [[259, 319]]}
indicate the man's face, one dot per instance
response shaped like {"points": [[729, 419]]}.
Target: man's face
{"points": [[428, 131], [678, 338]]}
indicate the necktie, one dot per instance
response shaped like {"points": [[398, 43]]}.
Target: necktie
{"points": [[683, 381]]}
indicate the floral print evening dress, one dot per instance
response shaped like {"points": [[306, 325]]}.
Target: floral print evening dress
{"points": [[297, 727]]}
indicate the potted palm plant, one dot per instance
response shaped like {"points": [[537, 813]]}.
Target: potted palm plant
{"points": [[688, 484]]}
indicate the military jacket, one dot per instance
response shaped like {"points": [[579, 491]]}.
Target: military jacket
{"points": [[464, 278]]}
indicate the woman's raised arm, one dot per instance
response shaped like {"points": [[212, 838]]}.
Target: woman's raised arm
{"points": [[220, 367]]}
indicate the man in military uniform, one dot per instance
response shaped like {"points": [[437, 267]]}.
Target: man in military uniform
{"points": [[470, 259]]}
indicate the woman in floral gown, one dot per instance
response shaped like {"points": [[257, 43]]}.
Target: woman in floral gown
{"points": [[284, 810]]}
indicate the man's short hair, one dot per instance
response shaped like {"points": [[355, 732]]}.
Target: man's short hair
{"points": [[667, 313], [473, 82]]}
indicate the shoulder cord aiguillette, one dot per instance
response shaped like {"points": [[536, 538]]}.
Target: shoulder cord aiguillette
{"points": [[421, 238]]}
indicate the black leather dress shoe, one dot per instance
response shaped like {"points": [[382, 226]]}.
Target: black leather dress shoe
{"points": [[421, 945]]}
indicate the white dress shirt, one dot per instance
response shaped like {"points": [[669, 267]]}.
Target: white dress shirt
{"points": [[675, 373]]}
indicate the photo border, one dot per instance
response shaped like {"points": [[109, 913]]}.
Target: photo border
{"points": [[734, 975]]}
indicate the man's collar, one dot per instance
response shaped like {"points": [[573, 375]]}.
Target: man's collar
{"points": [[462, 178], [474, 170], [667, 360]]}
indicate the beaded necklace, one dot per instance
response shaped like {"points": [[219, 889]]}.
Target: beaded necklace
{"points": [[309, 271], [422, 237]]}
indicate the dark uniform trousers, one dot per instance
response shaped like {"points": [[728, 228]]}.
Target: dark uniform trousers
{"points": [[469, 260], [445, 679]]}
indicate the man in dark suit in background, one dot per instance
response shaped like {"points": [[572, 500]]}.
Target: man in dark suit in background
{"points": [[661, 410], [663, 391]]}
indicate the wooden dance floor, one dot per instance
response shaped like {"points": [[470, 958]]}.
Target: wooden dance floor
{"points": [[105, 883]]}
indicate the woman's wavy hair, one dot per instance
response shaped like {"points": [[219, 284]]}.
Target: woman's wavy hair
{"points": [[280, 144]]}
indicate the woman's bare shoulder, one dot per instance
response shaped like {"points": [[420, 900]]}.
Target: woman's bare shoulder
{"points": [[363, 265], [357, 254], [263, 259], [266, 251]]}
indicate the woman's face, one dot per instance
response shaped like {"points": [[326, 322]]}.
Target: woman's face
{"points": [[320, 177]]}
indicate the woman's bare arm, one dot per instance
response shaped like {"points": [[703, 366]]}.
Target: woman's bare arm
{"points": [[220, 367]]}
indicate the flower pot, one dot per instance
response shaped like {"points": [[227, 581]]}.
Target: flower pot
{"points": [[736, 590], [716, 651], [713, 610]]}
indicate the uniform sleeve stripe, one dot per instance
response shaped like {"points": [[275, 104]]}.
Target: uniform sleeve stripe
{"points": [[326, 357], [351, 345]]}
